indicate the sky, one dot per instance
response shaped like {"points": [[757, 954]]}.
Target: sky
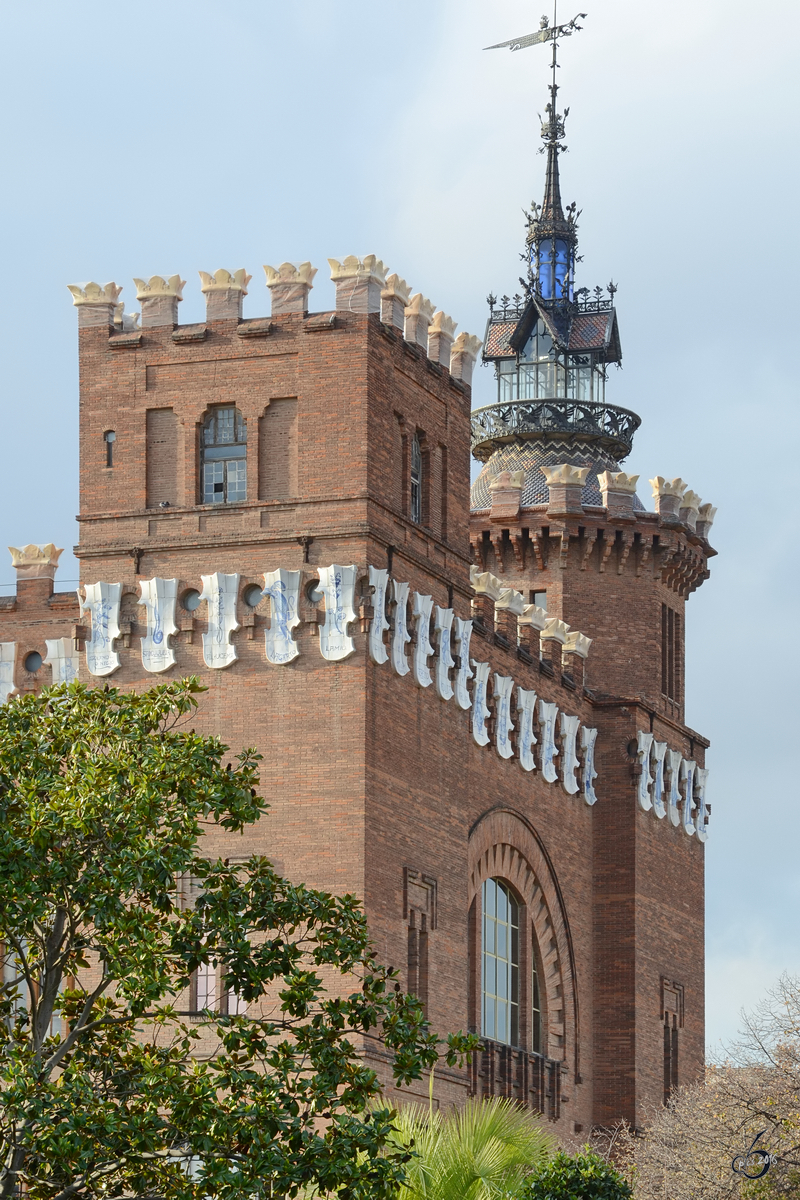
{"points": [[181, 136]]}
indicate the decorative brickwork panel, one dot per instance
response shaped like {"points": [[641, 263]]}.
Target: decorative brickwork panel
{"points": [[277, 451], [162, 457]]}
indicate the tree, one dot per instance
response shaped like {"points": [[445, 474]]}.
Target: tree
{"points": [[104, 798], [584, 1176], [480, 1153], [687, 1148]]}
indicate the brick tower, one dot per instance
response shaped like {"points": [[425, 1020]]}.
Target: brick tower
{"points": [[487, 746]]}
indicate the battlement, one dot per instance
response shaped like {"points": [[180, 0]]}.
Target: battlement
{"points": [[362, 286]]}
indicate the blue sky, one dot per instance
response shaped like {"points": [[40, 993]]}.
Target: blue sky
{"points": [[174, 137]]}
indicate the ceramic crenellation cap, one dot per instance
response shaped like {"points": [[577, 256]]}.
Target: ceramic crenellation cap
{"points": [[441, 335], [690, 506], [359, 283], [463, 356], [484, 583], [705, 519], [35, 561], [667, 494], [418, 316], [534, 616], [566, 483], [95, 303], [577, 643], [617, 490], [505, 489], [289, 286], [159, 298], [555, 631], [395, 298], [224, 292]]}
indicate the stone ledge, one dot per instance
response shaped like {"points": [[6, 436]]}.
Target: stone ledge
{"points": [[257, 327], [122, 341], [190, 333]]}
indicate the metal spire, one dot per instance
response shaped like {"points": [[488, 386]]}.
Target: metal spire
{"points": [[552, 236]]}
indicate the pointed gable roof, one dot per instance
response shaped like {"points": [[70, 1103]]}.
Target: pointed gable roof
{"points": [[571, 328]]}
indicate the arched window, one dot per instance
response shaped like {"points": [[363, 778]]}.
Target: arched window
{"points": [[224, 457], [416, 480], [109, 437], [500, 964]]}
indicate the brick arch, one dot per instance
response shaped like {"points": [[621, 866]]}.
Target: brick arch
{"points": [[503, 844]]}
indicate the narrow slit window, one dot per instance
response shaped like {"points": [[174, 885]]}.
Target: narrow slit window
{"points": [[536, 1005], [416, 480], [109, 437]]}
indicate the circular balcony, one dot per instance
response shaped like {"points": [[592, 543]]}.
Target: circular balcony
{"points": [[498, 425]]}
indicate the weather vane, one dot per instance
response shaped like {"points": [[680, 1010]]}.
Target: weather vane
{"points": [[545, 33]]}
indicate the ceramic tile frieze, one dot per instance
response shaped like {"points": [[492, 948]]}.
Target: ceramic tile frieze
{"points": [[8, 657], [338, 586], [63, 658], [503, 688], [480, 709], [101, 602], [283, 589], [421, 609], [159, 597], [569, 753], [379, 582], [463, 634], [588, 772], [526, 738], [547, 725], [220, 593], [442, 627], [400, 635]]}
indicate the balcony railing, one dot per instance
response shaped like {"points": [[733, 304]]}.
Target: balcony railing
{"points": [[530, 1079], [498, 424]]}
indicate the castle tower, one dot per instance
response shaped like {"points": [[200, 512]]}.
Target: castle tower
{"points": [[555, 517], [487, 746]]}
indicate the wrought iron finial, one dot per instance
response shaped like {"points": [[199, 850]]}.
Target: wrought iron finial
{"points": [[612, 290]]}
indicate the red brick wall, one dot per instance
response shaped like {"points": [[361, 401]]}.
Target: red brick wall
{"points": [[372, 780]]}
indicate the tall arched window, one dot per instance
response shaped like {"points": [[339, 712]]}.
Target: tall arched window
{"points": [[500, 964], [416, 480], [224, 457]]}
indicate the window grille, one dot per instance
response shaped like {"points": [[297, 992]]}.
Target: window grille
{"points": [[224, 457]]}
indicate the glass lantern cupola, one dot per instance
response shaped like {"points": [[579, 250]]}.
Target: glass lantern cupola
{"points": [[551, 346]]}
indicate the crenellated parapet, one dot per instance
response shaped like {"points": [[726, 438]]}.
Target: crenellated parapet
{"points": [[289, 286], [418, 316], [159, 298], [224, 292], [441, 335], [96, 303], [611, 538], [395, 298], [363, 286], [359, 283], [463, 356]]}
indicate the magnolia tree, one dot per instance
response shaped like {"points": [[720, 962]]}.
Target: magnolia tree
{"points": [[106, 1088], [687, 1149]]}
